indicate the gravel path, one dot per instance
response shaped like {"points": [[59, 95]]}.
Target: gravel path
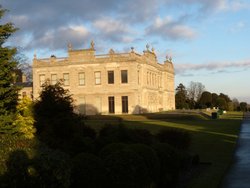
{"points": [[239, 173]]}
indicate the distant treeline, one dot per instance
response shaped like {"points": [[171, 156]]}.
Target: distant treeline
{"points": [[195, 96]]}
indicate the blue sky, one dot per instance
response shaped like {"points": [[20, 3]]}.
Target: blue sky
{"points": [[207, 39]]}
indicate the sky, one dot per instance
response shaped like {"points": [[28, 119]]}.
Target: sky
{"points": [[208, 40]]}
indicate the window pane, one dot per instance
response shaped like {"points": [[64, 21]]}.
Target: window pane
{"points": [[42, 79], [97, 78], [110, 77], [82, 78], [111, 104], [124, 104], [124, 76], [53, 79], [66, 79]]}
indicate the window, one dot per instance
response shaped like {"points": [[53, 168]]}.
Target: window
{"points": [[110, 77], [124, 76], [111, 104], [160, 81], [98, 78], [41, 79], [66, 79], [138, 76], [148, 78], [124, 104], [53, 79], [81, 77]]}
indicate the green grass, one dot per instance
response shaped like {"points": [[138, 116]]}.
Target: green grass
{"points": [[213, 140]]}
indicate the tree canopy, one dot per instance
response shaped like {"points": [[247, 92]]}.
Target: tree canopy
{"points": [[195, 97], [8, 66], [53, 112], [206, 100], [181, 97]]}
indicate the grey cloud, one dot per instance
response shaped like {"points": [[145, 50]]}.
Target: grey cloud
{"points": [[58, 38], [113, 30], [38, 19], [218, 67], [204, 5]]}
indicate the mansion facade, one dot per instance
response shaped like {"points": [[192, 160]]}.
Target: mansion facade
{"points": [[113, 83]]}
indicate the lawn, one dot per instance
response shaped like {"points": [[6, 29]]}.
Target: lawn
{"points": [[213, 140]]}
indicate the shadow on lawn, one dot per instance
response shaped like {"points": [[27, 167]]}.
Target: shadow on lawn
{"points": [[213, 140]]}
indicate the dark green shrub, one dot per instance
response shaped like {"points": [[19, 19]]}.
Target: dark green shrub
{"points": [[196, 159], [126, 169], [80, 144], [175, 137], [6, 126], [10, 143], [29, 163], [170, 165], [85, 131], [88, 171], [17, 171], [112, 134], [54, 100], [111, 148], [150, 158], [142, 136], [52, 168], [54, 114], [185, 159]]}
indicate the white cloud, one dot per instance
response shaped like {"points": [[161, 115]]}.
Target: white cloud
{"points": [[239, 26], [114, 30], [167, 28], [237, 5]]}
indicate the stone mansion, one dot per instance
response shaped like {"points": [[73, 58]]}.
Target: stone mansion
{"points": [[112, 83]]}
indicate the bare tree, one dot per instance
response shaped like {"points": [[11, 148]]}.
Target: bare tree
{"points": [[236, 104], [195, 89], [26, 69], [24, 66]]}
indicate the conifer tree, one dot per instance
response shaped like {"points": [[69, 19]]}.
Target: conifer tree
{"points": [[8, 66]]}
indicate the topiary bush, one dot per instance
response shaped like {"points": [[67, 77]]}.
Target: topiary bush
{"points": [[113, 134], [121, 134], [169, 165], [80, 144], [85, 131], [52, 168], [175, 137], [142, 136], [150, 158], [10, 143], [17, 171], [88, 171], [126, 169], [34, 166], [112, 148]]}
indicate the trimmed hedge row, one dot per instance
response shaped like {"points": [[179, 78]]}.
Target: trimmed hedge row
{"points": [[117, 157]]}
